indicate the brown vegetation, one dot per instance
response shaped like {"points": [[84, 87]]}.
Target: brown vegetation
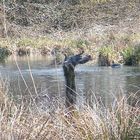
{"points": [[21, 121]]}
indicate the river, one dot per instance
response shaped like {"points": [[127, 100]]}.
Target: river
{"points": [[35, 75]]}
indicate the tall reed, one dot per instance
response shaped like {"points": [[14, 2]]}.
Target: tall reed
{"points": [[19, 121]]}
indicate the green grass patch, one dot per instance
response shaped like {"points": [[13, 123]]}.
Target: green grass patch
{"points": [[131, 55]]}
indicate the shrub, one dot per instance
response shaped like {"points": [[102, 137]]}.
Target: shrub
{"points": [[131, 55], [137, 53], [106, 55], [4, 52]]}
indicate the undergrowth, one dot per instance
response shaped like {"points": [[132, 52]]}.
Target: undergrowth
{"points": [[19, 121]]}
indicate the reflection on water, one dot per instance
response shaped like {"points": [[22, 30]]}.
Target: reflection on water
{"points": [[91, 81]]}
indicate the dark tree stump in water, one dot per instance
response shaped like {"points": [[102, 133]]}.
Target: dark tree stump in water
{"points": [[69, 73], [70, 85]]}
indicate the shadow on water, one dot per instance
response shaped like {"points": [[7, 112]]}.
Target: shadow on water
{"points": [[103, 82]]}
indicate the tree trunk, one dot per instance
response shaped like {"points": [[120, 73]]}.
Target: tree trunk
{"points": [[70, 85], [68, 68]]}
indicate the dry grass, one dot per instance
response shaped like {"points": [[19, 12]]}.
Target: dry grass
{"points": [[19, 121]]}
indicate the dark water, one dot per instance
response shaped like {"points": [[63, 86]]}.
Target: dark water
{"points": [[47, 80]]}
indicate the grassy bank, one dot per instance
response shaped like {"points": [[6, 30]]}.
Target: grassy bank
{"points": [[117, 47], [105, 27], [120, 121]]}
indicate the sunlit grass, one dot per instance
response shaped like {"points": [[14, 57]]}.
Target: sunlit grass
{"points": [[111, 45]]}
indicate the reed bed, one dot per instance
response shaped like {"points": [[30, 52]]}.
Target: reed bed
{"points": [[19, 121]]}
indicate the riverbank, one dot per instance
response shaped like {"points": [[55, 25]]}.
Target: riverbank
{"points": [[104, 48], [104, 29], [28, 120]]}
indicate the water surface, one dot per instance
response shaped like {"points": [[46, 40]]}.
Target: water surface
{"points": [[35, 75]]}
